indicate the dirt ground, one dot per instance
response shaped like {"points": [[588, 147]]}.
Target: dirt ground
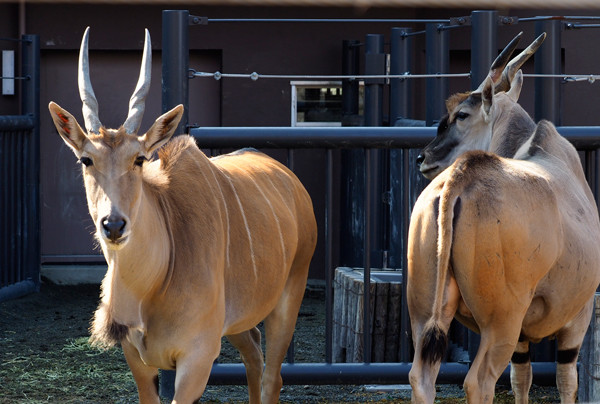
{"points": [[45, 358]]}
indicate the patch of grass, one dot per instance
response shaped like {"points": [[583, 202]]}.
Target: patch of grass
{"points": [[70, 373]]}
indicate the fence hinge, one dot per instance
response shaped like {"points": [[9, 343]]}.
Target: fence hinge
{"points": [[195, 20], [466, 20], [506, 20]]}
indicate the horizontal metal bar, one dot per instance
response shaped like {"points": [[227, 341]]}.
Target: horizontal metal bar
{"points": [[544, 373], [16, 122], [311, 137], [582, 137], [326, 20], [18, 289]]}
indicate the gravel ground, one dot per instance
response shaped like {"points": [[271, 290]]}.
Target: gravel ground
{"points": [[45, 358]]}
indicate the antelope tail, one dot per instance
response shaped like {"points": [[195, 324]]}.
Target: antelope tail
{"points": [[435, 337]]}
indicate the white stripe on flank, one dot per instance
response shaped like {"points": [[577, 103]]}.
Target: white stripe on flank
{"points": [[226, 209], [276, 221], [247, 227], [281, 196]]}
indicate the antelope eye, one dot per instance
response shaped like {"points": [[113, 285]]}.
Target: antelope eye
{"points": [[86, 161], [461, 116], [139, 161]]}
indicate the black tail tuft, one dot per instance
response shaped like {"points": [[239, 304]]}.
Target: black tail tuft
{"points": [[435, 342]]}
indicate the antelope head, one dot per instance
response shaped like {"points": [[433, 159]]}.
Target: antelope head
{"points": [[472, 117], [113, 159]]}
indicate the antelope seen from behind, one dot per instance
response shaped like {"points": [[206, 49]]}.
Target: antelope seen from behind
{"points": [[505, 239]]}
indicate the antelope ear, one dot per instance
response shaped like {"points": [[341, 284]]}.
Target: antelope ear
{"points": [[487, 95], [162, 129], [515, 86], [68, 128]]}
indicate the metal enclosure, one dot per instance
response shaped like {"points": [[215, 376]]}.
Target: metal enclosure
{"points": [[19, 178]]}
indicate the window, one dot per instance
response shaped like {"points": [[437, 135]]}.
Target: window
{"points": [[316, 103]]}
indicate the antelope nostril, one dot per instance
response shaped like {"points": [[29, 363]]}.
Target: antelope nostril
{"points": [[113, 227], [420, 159]]}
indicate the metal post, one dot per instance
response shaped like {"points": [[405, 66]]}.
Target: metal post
{"points": [[30, 105], [175, 66], [400, 107], [329, 274], [484, 47], [367, 260], [352, 162], [375, 64], [175, 63], [400, 58], [437, 61], [548, 61], [350, 66]]}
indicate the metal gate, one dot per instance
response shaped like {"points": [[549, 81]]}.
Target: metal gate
{"points": [[19, 181], [401, 142]]}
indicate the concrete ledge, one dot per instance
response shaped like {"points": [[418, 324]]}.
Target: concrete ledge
{"points": [[74, 274]]}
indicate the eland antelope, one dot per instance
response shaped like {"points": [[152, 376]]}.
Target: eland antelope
{"points": [[505, 239], [197, 248]]}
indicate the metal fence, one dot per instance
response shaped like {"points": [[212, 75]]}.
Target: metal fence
{"points": [[400, 145], [19, 179]]}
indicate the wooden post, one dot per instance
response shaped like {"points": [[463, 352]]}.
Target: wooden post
{"points": [[384, 306], [589, 357]]}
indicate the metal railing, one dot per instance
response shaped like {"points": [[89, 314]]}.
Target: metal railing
{"points": [[19, 176], [373, 139]]}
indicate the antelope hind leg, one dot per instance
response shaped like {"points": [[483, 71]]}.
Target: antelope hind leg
{"points": [[248, 343], [279, 329], [520, 373], [569, 340]]}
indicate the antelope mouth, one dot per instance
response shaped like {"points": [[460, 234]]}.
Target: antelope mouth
{"points": [[429, 171], [116, 244]]}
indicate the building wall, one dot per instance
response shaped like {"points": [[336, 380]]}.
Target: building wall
{"points": [[116, 40]]}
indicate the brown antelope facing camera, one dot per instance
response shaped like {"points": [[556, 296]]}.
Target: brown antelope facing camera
{"points": [[505, 239], [197, 248]]}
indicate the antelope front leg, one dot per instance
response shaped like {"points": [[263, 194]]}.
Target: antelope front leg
{"points": [[146, 377], [193, 370]]}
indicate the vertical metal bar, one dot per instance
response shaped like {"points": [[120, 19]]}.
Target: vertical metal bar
{"points": [[352, 162], [175, 63], [175, 66], [437, 61], [400, 51], [290, 352], [375, 64], [350, 66], [329, 258], [484, 47], [400, 107], [31, 106], [367, 261], [547, 60], [405, 330]]}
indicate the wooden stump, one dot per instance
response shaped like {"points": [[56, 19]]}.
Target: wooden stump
{"points": [[348, 308]]}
